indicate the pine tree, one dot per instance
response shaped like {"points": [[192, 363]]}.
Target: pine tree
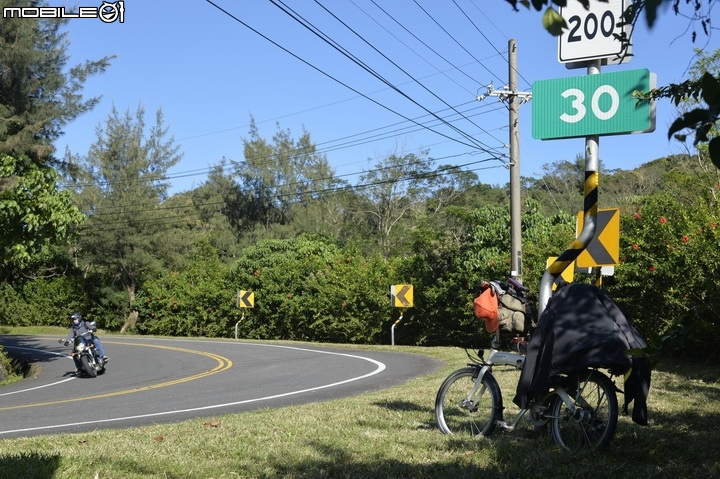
{"points": [[123, 185], [39, 94]]}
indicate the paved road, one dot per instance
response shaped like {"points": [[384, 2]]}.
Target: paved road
{"points": [[162, 380]]}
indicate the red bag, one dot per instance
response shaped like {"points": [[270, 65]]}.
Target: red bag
{"points": [[486, 307]]}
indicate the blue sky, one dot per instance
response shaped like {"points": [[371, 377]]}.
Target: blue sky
{"points": [[209, 72]]}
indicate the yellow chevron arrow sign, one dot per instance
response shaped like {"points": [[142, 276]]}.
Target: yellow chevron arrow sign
{"points": [[245, 299], [604, 248], [401, 295]]}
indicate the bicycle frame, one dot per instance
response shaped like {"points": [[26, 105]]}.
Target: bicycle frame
{"points": [[516, 360], [579, 407]]}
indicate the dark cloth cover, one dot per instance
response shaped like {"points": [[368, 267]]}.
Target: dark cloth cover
{"points": [[582, 327]]}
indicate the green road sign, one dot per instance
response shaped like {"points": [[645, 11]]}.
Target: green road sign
{"points": [[600, 104]]}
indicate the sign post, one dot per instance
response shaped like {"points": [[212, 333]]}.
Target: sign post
{"points": [[401, 296], [245, 299], [590, 106]]}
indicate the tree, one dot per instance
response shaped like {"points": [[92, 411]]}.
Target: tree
{"points": [[706, 87], [34, 214], [275, 177], [560, 187], [214, 203], [38, 94], [122, 185], [395, 189]]}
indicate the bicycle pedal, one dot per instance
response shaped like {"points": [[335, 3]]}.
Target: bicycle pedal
{"points": [[504, 426]]}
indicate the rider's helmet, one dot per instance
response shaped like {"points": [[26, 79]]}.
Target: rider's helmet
{"points": [[76, 318]]}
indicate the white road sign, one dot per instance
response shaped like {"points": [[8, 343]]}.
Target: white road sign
{"points": [[592, 33]]}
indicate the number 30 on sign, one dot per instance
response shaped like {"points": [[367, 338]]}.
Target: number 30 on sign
{"points": [[587, 105]]}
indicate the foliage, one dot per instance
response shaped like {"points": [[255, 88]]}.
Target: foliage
{"points": [[275, 177], [43, 301], [8, 369], [668, 281], [706, 87], [310, 289], [34, 214], [121, 188], [197, 301], [39, 95]]}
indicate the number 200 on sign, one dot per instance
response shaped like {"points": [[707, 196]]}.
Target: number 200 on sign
{"points": [[590, 26]]}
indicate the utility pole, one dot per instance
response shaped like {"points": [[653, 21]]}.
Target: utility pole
{"points": [[514, 99]]}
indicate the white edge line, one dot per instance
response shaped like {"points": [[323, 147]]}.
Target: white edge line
{"points": [[380, 368], [37, 387]]}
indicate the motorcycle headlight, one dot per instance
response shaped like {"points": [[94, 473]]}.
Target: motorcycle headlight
{"points": [[80, 347]]}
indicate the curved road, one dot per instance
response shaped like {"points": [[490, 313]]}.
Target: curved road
{"points": [[151, 380]]}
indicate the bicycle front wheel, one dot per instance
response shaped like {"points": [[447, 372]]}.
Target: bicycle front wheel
{"points": [[592, 420], [465, 406]]}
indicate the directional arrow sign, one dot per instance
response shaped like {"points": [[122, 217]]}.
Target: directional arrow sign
{"points": [[604, 248], [401, 295], [246, 299]]}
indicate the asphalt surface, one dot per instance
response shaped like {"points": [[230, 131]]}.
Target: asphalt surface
{"points": [[152, 381]]}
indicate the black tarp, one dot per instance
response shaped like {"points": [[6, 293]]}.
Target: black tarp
{"points": [[582, 327]]}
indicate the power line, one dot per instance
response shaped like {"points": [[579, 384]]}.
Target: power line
{"points": [[328, 191], [319, 69], [332, 145], [357, 142], [483, 35], [302, 21], [453, 38]]}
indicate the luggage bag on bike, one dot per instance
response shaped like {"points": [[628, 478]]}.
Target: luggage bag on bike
{"points": [[502, 306]]}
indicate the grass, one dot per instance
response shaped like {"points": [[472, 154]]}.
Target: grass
{"points": [[389, 434]]}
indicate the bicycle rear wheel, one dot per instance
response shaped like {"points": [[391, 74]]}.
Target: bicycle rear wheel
{"points": [[595, 416], [463, 408]]}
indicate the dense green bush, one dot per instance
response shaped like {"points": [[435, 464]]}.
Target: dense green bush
{"points": [[311, 289], [195, 302], [48, 301], [668, 280]]}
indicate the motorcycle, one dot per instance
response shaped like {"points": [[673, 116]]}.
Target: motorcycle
{"points": [[84, 349]]}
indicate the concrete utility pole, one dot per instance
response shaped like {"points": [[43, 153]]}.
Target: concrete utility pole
{"points": [[514, 99]]}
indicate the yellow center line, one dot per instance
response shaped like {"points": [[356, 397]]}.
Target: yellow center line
{"points": [[223, 365]]}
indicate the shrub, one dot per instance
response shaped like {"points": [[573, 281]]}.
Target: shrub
{"points": [[310, 289], [667, 283]]}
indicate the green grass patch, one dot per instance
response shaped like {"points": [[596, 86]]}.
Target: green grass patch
{"points": [[389, 434]]}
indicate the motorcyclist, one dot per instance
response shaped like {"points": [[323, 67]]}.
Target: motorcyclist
{"points": [[80, 327]]}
